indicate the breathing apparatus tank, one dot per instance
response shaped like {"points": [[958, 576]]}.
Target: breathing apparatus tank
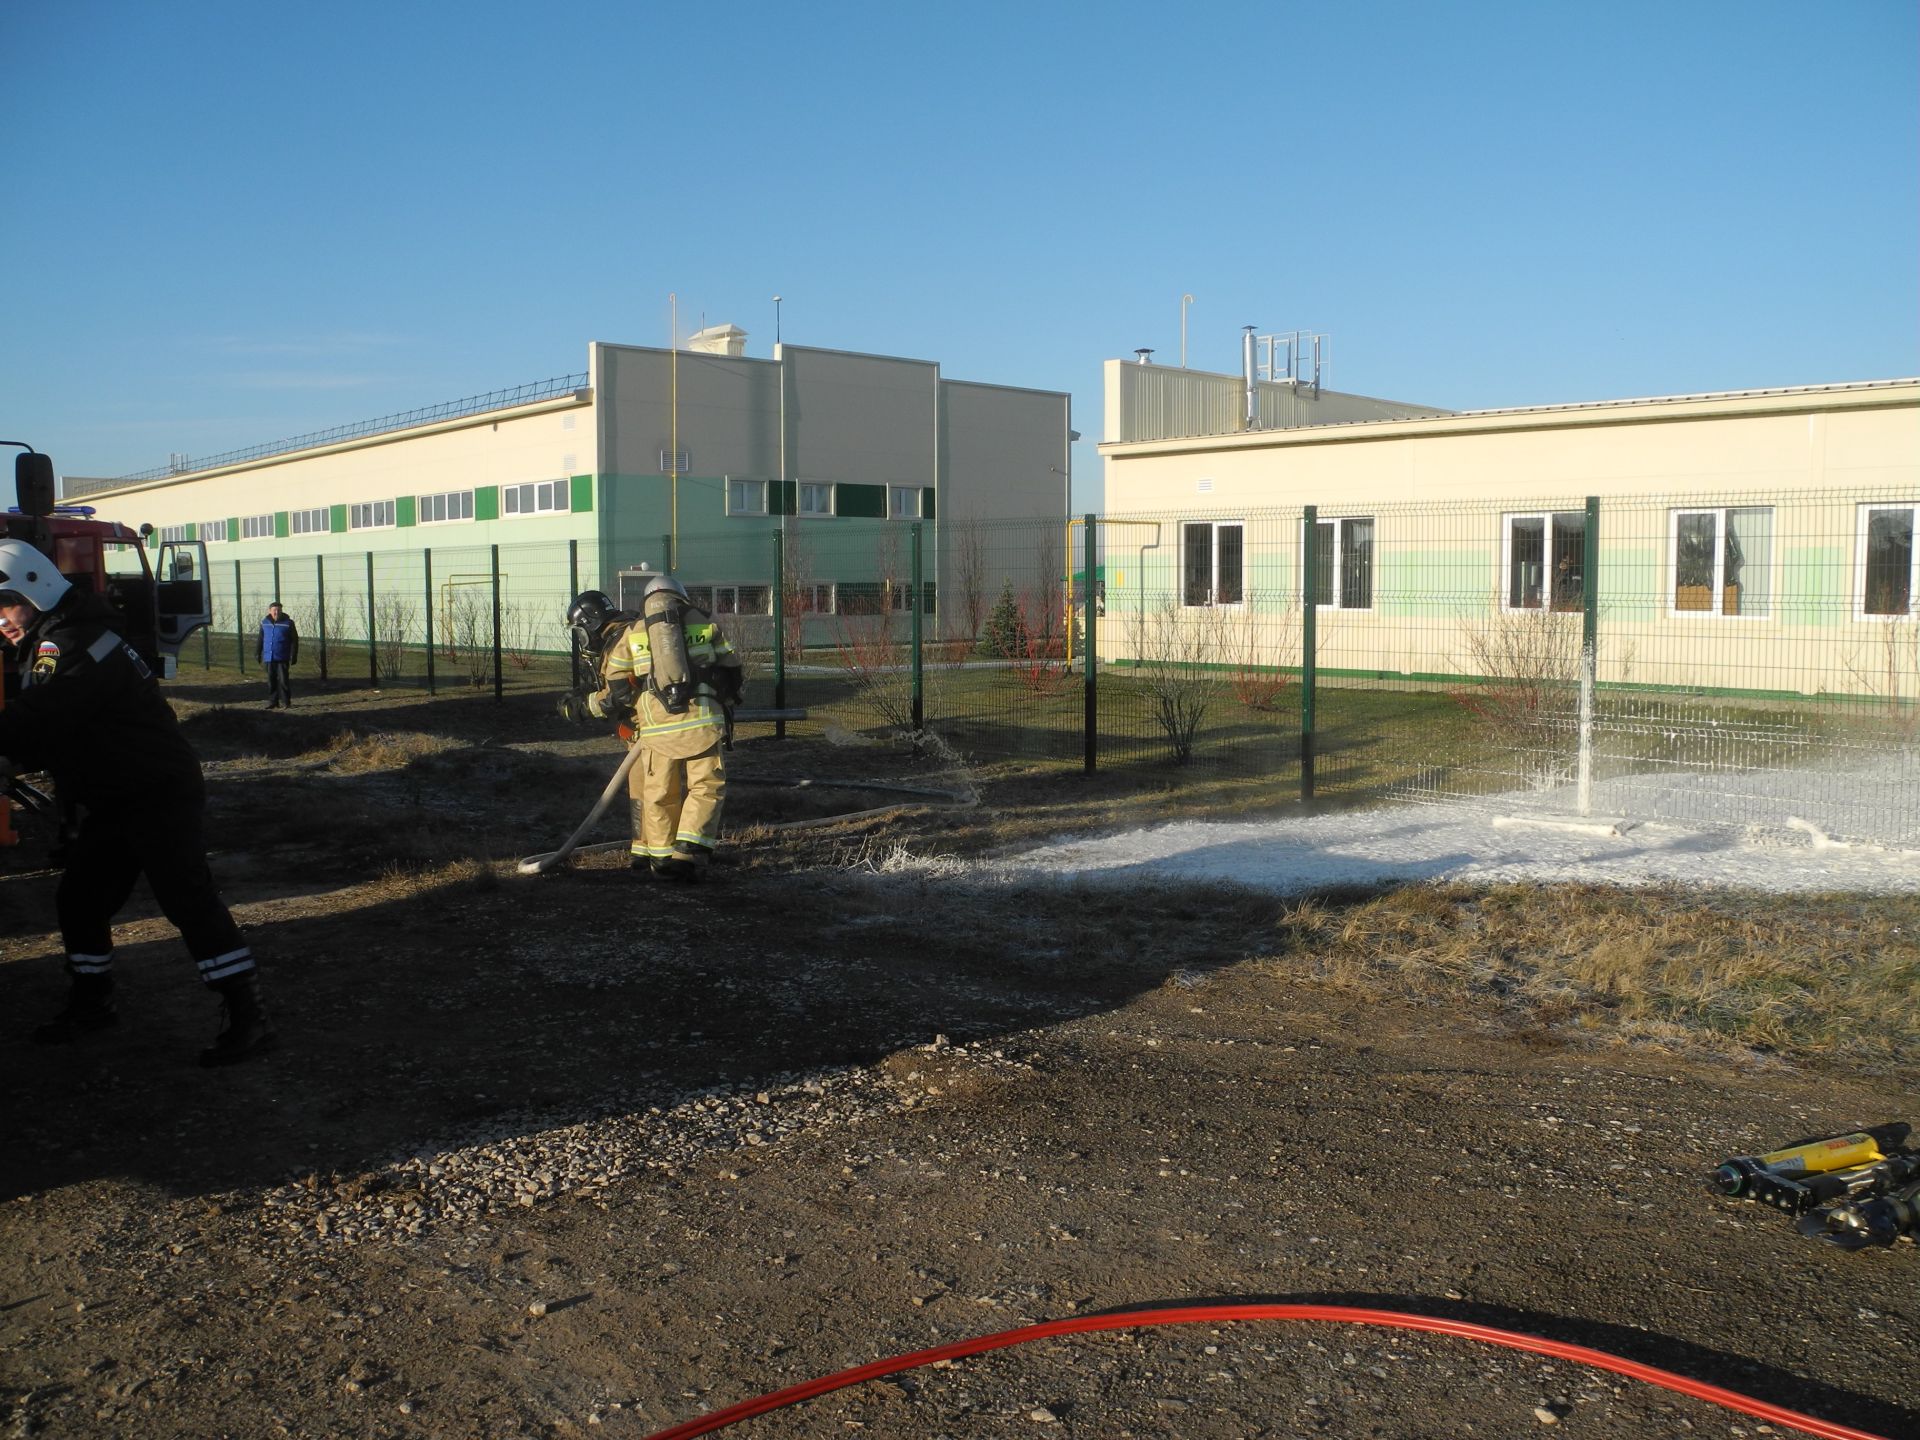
{"points": [[663, 610]]}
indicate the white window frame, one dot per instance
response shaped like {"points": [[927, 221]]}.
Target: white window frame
{"points": [[173, 534], [446, 502], [1865, 513], [1546, 517], [894, 510], [1717, 592], [740, 497], [315, 521], [815, 591], [212, 530], [824, 487], [371, 515], [1212, 600], [532, 498], [1341, 600], [256, 527]]}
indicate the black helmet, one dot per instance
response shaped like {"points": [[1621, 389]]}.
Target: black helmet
{"points": [[589, 614]]}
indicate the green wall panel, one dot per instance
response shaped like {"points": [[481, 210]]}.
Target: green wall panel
{"points": [[403, 510], [861, 502], [486, 502], [282, 526], [337, 519], [582, 501], [926, 503]]}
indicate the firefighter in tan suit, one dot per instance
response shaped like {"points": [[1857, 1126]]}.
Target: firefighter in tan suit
{"points": [[672, 676]]}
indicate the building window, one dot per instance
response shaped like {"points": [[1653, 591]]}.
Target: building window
{"points": [[539, 497], [370, 515], [746, 497], [445, 508], [814, 597], [1213, 562], [900, 596], [256, 527], [731, 599], [903, 502], [1546, 560], [861, 597], [310, 522], [1722, 562], [173, 534], [1887, 571], [815, 499], [213, 530], [1343, 556]]}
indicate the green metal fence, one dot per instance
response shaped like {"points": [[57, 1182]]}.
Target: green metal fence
{"points": [[1730, 659]]}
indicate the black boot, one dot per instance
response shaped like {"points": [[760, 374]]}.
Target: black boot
{"points": [[246, 1031], [89, 1007]]}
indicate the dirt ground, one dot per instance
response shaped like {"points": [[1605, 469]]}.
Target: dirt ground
{"points": [[590, 1154]]}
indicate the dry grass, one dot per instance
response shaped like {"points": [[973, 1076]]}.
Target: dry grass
{"points": [[1833, 976]]}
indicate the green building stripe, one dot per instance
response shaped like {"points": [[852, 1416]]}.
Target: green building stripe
{"points": [[282, 525], [337, 520], [582, 499], [233, 527], [486, 502], [403, 508], [193, 530], [926, 503]]}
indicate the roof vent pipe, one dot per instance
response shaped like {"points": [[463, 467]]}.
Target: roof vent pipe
{"points": [[1246, 371], [1142, 356]]}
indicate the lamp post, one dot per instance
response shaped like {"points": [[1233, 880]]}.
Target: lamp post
{"points": [[1185, 301], [776, 319]]}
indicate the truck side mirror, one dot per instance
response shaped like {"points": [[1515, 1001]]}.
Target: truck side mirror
{"points": [[33, 483]]}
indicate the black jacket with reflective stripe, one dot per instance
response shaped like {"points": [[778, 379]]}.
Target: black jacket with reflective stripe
{"points": [[90, 712]]}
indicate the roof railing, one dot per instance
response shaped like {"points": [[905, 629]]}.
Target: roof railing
{"points": [[405, 420]]}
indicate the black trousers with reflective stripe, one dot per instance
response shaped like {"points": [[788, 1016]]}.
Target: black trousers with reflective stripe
{"points": [[113, 850]]}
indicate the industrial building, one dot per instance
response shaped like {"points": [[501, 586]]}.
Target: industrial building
{"points": [[695, 460]]}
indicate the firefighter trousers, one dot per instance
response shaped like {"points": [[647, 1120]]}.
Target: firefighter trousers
{"points": [[112, 851], [677, 802]]}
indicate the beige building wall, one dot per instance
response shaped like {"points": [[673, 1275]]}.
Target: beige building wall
{"points": [[548, 440], [1439, 492]]}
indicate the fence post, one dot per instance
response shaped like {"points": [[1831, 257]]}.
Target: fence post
{"points": [[427, 556], [276, 577], [499, 690], [1309, 589], [373, 650], [780, 628], [239, 620], [573, 583], [320, 590], [913, 631], [1091, 644], [1589, 647]]}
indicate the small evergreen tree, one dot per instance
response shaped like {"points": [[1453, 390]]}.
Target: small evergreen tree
{"points": [[1005, 633]]}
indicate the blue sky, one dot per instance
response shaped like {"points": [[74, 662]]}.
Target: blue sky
{"points": [[232, 223]]}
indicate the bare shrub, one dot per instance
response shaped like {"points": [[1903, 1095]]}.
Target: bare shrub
{"points": [[970, 579], [1886, 671], [522, 629], [469, 627], [1528, 668], [393, 625], [1177, 651], [1261, 646], [880, 666]]}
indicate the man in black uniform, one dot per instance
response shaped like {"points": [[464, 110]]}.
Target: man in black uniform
{"points": [[90, 712]]}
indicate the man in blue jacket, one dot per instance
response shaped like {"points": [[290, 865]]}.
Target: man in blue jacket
{"points": [[279, 648]]}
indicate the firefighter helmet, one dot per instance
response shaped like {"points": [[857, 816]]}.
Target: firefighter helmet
{"points": [[667, 583], [589, 615], [25, 572]]}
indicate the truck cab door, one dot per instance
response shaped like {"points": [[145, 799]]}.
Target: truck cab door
{"points": [[184, 598]]}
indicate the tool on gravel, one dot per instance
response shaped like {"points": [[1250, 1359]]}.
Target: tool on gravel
{"points": [[1745, 1174], [1856, 1224], [1837, 1187]]}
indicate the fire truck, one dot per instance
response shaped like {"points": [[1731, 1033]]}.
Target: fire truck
{"points": [[161, 605]]}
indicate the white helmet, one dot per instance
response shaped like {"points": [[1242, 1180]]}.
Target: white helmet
{"points": [[25, 572], [668, 584]]}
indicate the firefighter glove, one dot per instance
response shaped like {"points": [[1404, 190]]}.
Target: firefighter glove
{"points": [[574, 707]]}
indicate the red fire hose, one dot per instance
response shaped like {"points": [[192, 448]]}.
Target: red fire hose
{"points": [[1196, 1314]]}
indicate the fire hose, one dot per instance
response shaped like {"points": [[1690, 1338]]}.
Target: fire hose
{"points": [[1213, 1314], [541, 864]]}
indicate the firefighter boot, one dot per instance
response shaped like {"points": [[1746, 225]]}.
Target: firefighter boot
{"points": [[246, 1031], [89, 1007]]}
